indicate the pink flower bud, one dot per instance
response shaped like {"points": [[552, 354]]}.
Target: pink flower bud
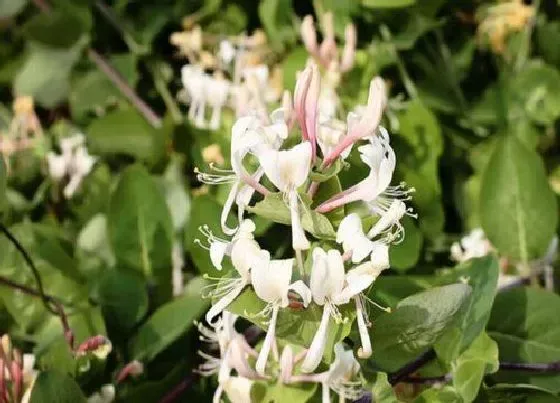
{"points": [[349, 51], [327, 50], [309, 35]]}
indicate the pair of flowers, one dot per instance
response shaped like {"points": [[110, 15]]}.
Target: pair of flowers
{"points": [[235, 353], [73, 163]]}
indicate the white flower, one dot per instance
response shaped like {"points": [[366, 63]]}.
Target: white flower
{"points": [[249, 135], [244, 252], [57, 165], [271, 282], [217, 92], [234, 352], [238, 389], [473, 245], [327, 283], [74, 162], [382, 199], [340, 377], [195, 82], [105, 395], [227, 52], [288, 170]]}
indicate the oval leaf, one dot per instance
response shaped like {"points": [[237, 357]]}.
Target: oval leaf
{"points": [[518, 209]]}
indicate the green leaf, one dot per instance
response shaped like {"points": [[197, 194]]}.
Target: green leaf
{"points": [[388, 3], [295, 326], [45, 74], [140, 228], [276, 17], [93, 92], [537, 90], [416, 324], [124, 300], [10, 8], [294, 62], [446, 394], [274, 209], [518, 210], [280, 392], [56, 29], [3, 185], [482, 275], [526, 325], [205, 210], [56, 355], [517, 393], [327, 190], [168, 323], [469, 369], [382, 391], [125, 132], [328, 173], [420, 153], [53, 386], [405, 255]]}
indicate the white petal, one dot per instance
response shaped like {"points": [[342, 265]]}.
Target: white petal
{"points": [[302, 290], [393, 215], [271, 281], [246, 253], [238, 389], [222, 303], [260, 366], [218, 250], [352, 237], [299, 241], [319, 275], [315, 353], [365, 351]]}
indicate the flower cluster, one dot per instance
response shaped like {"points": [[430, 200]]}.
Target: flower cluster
{"points": [[74, 163], [16, 372], [338, 277], [232, 73]]}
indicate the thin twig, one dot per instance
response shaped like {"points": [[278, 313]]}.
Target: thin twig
{"points": [[118, 80], [51, 304], [179, 389], [115, 77], [530, 367], [411, 367]]}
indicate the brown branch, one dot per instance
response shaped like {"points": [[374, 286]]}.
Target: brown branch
{"points": [[51, 304], [118, 80], [179, 389], [115, 77]]}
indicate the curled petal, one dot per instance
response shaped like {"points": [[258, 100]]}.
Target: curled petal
{"points": [[365, 351], [268, 341], [317, 348], [349, 51], [309, 35]]}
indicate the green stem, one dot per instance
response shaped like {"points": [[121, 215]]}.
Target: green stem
{"points": [[407, 81]]}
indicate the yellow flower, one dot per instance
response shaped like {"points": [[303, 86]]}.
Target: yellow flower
{"points": [[213, 154]]}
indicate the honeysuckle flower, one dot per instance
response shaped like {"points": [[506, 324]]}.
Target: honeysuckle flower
{"points": [[188, 42], [327, 283], [104, 395], [388, 202], [340, 377], [271, 282], [244, 252], [497, 22], [327, 53], [306, 104], [234, 352], [288, 170], [238, 389], [217, 92], [475, 244], [249, 135], [366, 124], [194, 82], [351, 235], [74, 163], [81, 165], [227, 52]]}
